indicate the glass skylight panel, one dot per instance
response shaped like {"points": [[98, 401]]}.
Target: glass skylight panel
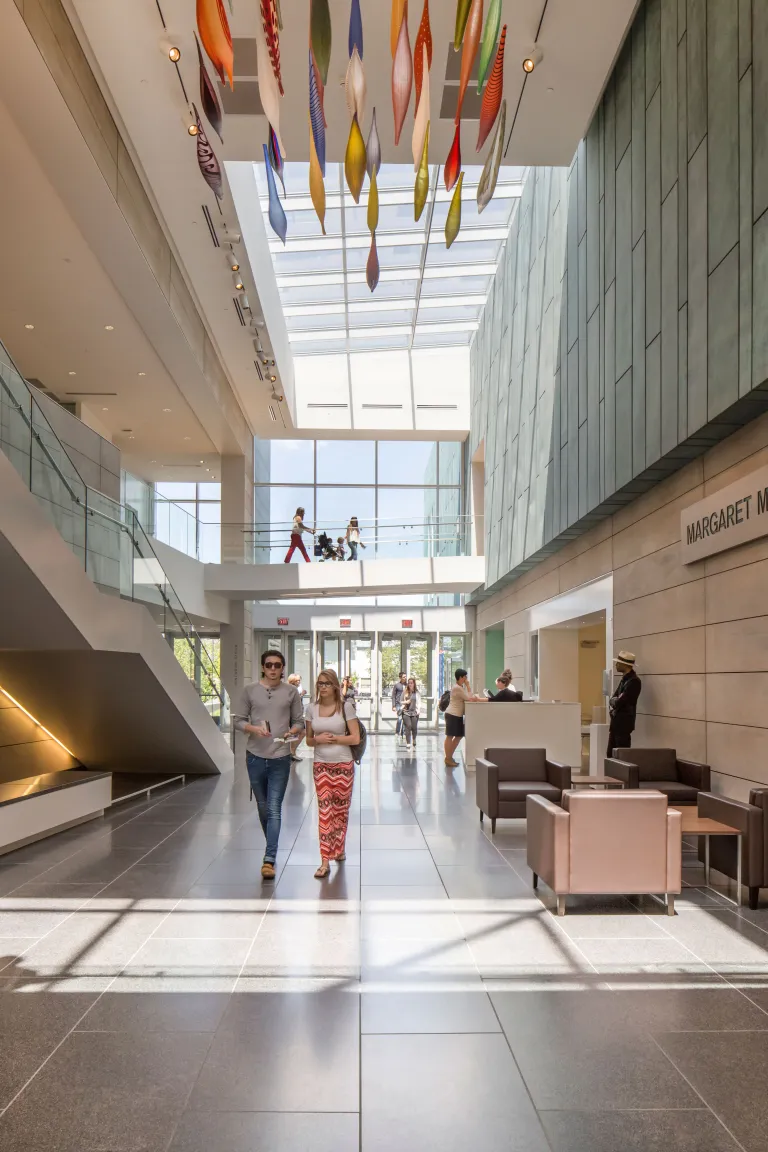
{"points": [[427, 296]]}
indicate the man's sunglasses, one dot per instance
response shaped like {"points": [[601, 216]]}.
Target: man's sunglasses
{"points": [[272, 664]]}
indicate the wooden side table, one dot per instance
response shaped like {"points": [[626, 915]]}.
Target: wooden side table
{"points": [[596, 782], [695, 825]]}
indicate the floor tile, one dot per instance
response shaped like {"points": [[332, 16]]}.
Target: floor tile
{"points": [[428, 1011], [155, 1012], [194, 919], [388, 837], [375, 815], [267, 1132], [406, 1104], [637, 1131], [392, 867], [31, 1025], [193, 959], [297, 882]]}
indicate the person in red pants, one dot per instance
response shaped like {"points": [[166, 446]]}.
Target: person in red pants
{"points": [[296, 541]]}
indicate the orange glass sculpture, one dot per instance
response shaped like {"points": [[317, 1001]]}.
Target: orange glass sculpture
{"points": [[469, 50], [396, 19], [422, 117], [423, 40], [492, 95], [316, 182], [453, 163], [402, 76], [213, 26]]}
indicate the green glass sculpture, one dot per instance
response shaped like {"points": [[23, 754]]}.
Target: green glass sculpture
{"points": [[488, 43], [490, 174]]}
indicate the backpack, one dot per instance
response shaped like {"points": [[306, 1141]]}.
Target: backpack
{"points": [[444, 700], [358, 750]]}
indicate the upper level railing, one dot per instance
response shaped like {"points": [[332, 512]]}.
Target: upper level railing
{"points": [[105, 535]]}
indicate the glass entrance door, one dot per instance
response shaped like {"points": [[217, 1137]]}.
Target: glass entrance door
{"points": [[351, 654], [412, 654]]}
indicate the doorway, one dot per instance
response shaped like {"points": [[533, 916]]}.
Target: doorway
{"points": [[410, 653], [350, 654]]}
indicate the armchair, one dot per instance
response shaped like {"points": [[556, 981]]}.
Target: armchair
{"points": [[505, 777], [661, 770], [603, 842], [751, 820]]}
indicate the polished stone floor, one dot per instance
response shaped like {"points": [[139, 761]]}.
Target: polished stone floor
{"points": [[155, 995]]}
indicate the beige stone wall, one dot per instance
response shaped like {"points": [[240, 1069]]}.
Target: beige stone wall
{"points": [[700, 632]]}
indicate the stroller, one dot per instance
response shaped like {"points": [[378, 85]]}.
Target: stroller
{"points": [[324, 548]]}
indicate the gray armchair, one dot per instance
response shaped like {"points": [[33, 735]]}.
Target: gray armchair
{"points": [[505, 778], [661, 770], [750, 819]]}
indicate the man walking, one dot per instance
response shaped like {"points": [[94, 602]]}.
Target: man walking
{"points": [[398, 691], [271, 713]]}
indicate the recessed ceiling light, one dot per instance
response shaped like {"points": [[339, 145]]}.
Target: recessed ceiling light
{"points": [[166, 409], [29, 326], [174, 54], [71, 373], [153, 461], [109, 327], [142, 373], [131, 437], [186, 437], [105, 409]]}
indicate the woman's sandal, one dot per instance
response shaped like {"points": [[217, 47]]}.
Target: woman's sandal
{"points": [[342, 858], [323, 870]]}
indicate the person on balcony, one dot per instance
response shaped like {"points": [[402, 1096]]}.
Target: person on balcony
{"points": [[296, 532], [353, 537]]}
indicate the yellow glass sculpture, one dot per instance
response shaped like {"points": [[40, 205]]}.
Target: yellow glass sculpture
{"points": [[421, 187], [453, 221], [316, 182], [354, 161], [373, 205]]}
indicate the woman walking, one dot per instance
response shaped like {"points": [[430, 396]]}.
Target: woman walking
{"points": [[454, 715], [332, 729], [348, 690], [296, 542], [411, 705], [353, 537]]}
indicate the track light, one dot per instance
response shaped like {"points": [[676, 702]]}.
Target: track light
{"points": [[239, 286], [172, 51], [530, 61], [230, 237], [277, 396], [234, 264], [244, 302]]}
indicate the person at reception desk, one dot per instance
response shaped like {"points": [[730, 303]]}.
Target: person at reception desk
{"points": [[454, 715], [505, 690], [623, 703]]}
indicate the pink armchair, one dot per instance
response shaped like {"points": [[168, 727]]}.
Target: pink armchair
{"points": [[603, 842]]}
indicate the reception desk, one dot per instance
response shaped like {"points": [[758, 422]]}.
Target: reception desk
{"points": [[527, 724]]}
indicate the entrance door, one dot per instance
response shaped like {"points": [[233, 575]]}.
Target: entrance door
{"points": [[351, 654], [412, 654]]}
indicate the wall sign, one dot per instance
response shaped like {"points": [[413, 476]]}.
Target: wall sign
{"points": [[345, 623], [406, 623], [282, 621], [732, 516]]}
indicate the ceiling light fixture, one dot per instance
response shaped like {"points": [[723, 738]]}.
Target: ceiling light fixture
{"points": [[142, 373], [71, 373], [166, 409], [174, 54], [109, 327], [233, 262], [105, 409], [530, 62], [239, 286], [192, 129], [29, 326], [273, 378], [186, 437]]}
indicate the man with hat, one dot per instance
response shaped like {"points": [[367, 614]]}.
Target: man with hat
{"points": [[623, 703]]}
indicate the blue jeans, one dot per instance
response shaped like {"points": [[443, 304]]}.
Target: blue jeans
{"points": [[353, 549], [269, 780]]}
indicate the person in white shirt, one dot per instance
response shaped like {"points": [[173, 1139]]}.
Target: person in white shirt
{"points": [[411, 705], [353, 537], [296, 542], [454, 714]]}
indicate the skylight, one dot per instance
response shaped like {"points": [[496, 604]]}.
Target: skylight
{"points": [[428, 296]]}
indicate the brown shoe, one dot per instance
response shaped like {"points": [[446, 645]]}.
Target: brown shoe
{"points": [[268, 870]]}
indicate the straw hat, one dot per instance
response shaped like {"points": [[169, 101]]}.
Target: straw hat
{"points": [[625, 658]]}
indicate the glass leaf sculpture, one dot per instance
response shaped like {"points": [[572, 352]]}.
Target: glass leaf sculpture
{"points": [[490, 174], [453, 163], [316, 182], [422, 115], [210, 168], [423, 39], [488, 42], [275, 158], [492, 95], [316, 115], [373, 149], [372, 271], [355, 29], [270, 22], [469, 50], [268, 90], [276, 214], [279, 13], [213, 26], [373, 205], [320, 35], [396, 19], [462, 12], [453, 220], [421, 187], [354, 86], [402, 76], [209, 97], [354, 161]]}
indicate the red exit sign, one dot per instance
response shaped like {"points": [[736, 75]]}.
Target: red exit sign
{"points": [[345, 623], [406, 623], [282, 621]]}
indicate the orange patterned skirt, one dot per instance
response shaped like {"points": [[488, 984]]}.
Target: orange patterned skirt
{"points": [[333, 783]]}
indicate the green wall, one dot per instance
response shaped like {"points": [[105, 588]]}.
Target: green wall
{"points": [[494, 657]]}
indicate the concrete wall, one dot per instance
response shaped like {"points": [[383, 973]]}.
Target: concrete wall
{"points": [[627, 330], [592, 662], [700, 632], [559, 664]]}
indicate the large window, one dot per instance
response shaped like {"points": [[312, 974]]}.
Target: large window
{"points": [[187, 516]]}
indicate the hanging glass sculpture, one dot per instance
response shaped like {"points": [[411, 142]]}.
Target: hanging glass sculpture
{"points": [[210, 168], [488, 43], [269, 22], [354, 86], [373, 205], [276, 214], [354, 161], [316, 114], [423, 39], [320, 35], [462, 12], [372, 267], [492, 95], [422, 115], [398, 10], [402, 76], [213, 26], [268, 90], [275, 158], [453, 163], [373, 149], [355, 29], [421, 187], [490, 173], [469, 50], [209, 97], [453, 220], [316, 182]]}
